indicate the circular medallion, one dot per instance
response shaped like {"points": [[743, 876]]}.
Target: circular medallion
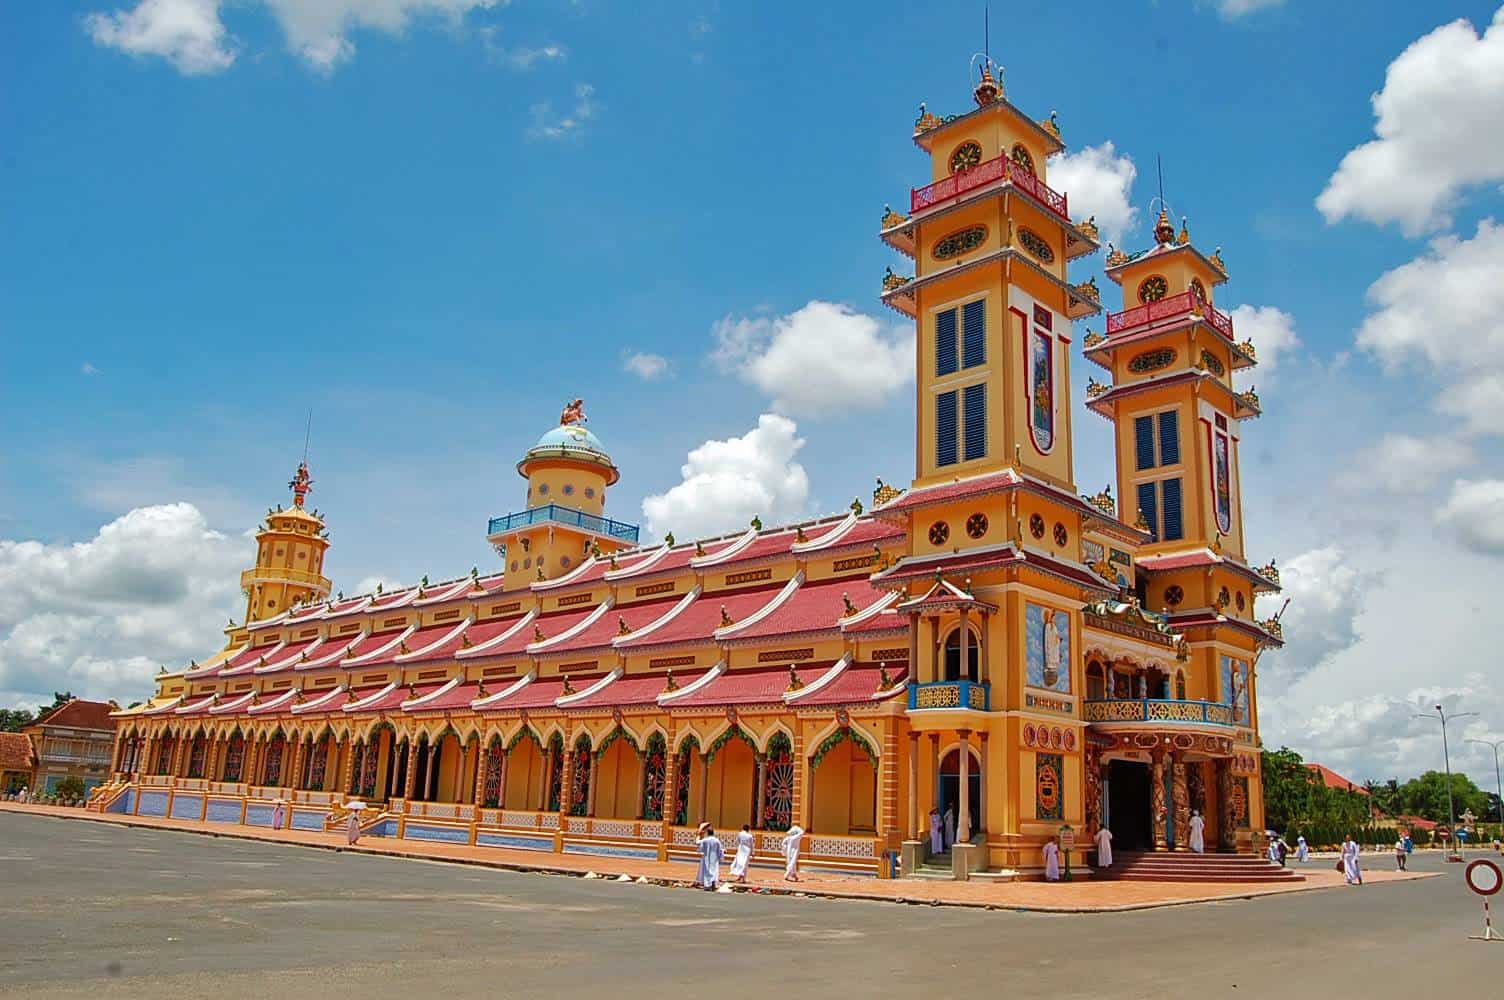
{"points": [[1241, 601], [962, 241], [569, 489], [543, 489], [965, 156], [1055, 738], [1061, 535], [1028, 734], [1018, 154], [1153, 288], [1036, 525], [976, 525], [1070, 739], [590, 493], [1174, 595], [1213, 364], [939, 533]]}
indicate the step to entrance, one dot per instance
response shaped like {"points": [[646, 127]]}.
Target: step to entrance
{"points": [[1175, 866]]}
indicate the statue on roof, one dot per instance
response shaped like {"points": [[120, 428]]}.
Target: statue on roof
{"points": [[301, 484], [574, 413]]}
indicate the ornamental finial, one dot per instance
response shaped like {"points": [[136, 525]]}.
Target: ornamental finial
{"points": [[1185, 232], [574, 413], [301, 484], [1164, 232], [987, 90]]}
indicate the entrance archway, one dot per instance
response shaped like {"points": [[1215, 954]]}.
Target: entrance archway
{"points": [[950, 787], [1129, 805]]}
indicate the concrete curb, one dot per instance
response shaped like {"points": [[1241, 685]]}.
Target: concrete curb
{"points": [[803, 889]]}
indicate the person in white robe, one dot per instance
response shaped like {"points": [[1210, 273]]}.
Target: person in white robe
{"points": [[1198, 832], [1273, 852], [1302, 852], [712, 852], [352, 823], [937, 832], [744, 844], [279, 813], [950, 825], [1052, 861], [1352, 873], [790, 847], [1104, 847]]}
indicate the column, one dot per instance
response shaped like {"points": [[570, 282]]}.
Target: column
{"points": [[642, 783], [913, 785], [410, 775], [1180, 796], [482, 765], [501, 786], [803, 792], [914, 647], [1227, 820], [704, 797], [1091, 773], [886, 806], [965, 646], [762, 791], [566, 783], [1157, 797], [985, 672], [548, 777], [935, 770], [671, 781], [592, 779], [963, 819]]}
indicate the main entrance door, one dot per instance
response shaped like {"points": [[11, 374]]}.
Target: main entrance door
{"points": [[1129, 804], [950, 788]]}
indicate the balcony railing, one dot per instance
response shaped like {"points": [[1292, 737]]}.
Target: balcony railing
{"points": [[949, 694], [275, 574], [996, 169], [554, 514], [1168, 308], [1157, 710]]}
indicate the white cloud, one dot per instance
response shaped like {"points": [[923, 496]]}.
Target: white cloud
{"points": [[88, 369], [1406, 464], [319, 30], [821, 359], [1273, 334], [1234, 9], [1098, 182], [548, 125], [521, 57], [645, 366], [1441, 310], [1474, 513], [726, 483], [187, 33], [98, 617], [1438, 132], [1325, 592]]}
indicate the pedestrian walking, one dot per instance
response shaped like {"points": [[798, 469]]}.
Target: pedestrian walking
{"points": [[1104, 847], [1198, 832], [712, 852], [790, 847], [1352, 872], [744, 844], [1052, 860], [1399, 855], [1302, 851]]}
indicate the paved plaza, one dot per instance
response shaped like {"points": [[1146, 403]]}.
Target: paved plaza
{"points": [[93, 909]]}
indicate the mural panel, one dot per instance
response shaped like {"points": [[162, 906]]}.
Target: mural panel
{"points": [[1049, 786], [1048, 648], [1235, 689]]}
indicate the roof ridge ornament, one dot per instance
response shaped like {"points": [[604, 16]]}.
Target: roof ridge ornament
{"points": [[988, 90]]}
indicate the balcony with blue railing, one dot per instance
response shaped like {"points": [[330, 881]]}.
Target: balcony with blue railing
{"points": [[962, 694], [1159, 710], [554, 514]]}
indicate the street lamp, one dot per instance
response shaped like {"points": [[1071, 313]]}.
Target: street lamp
{"points": [[1498, 785], [1446, 757]]}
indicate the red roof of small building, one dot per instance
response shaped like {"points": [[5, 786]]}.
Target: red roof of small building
{"points": [[1332, 779], [15, 752], [80, 714], [960, 489]]}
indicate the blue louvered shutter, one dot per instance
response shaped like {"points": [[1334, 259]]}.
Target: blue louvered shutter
{"points": [[1143, 441], [1169, 437], [1149, 507], [974, 403], [945, 428], [945, 342], [1169, 494], [973, 334]]}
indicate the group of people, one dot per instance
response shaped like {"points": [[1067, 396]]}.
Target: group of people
{"points": [[712, 852]]}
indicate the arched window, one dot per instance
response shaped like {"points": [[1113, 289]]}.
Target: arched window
{"points": [[953, 667], [656, 763], [778, 798], [1096, 682]]}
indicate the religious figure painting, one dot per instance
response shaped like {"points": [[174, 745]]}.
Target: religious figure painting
{"points": [[1048, 648], [1042, 390], [1223, 485], [1235, 688]]}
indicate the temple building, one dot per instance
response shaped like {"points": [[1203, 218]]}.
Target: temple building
{"points": [[987, 642]]}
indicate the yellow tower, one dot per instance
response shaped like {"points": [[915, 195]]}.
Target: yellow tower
{"points": [[290, 549], [567, 473]]}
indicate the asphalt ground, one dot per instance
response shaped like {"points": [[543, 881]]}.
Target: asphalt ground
{"points": [[96, 910]]}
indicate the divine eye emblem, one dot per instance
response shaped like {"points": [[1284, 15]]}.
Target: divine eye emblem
{"points": [[966, 156], [939, 533], [1152, 289], [976, 525]]}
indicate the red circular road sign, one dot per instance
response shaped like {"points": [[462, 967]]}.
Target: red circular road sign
{"points": [[1483, 877]]}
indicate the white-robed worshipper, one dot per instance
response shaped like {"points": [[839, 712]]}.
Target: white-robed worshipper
{"points": [[1052, 860], [712, 852], [744, 844], [937, 832], [1302, 851], [22, 796], [1272, 853], [1352, 873], [352, 822], [790, 846], [279, 813], [1104, 847], [1198, 832], [950, 825]]}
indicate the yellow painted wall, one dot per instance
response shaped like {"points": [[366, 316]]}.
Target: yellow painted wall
{"points": [[618, 774]]}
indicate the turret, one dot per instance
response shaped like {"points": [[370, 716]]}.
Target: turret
{"points": [[290, 547]]}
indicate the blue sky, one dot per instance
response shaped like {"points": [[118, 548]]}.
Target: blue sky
{"points": [[431, 222]]}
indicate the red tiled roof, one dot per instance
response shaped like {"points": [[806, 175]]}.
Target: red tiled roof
{"points": [[538, 693], [639, 689], [330, 652], [814, 607], [374, 642], [762, 686], [393, 699], [550, 625], [249, 658], [458, 697], [884, 621], [769, 543], [481, 633], [1332, 779], [15, 752], [1204, 557], [699, 621], [289, 656], [867, 531], [857, 684], [960, 489], [80, 714], [608, 626]]}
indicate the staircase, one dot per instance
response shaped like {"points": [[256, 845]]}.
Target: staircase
{"points": [[1184, 866], [936, 867]]}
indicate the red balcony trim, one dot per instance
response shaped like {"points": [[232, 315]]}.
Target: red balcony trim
{"points": [[995, 169], [1174, 306]]}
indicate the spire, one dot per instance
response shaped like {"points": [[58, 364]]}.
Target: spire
{"points": [[301, 483]]}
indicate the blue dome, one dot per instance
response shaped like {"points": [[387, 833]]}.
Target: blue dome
{"points": [[571, 437], [571, 442]]}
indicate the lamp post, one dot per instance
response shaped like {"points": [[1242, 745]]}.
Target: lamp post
{"points": [[1498, 784], [1446, 757]]}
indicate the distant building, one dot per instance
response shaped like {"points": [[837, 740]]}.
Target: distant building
{"points": [[73, 739], [1332, 779], [16, 762]]}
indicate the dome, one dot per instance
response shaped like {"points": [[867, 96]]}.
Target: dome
{"points": [[571, 442]]}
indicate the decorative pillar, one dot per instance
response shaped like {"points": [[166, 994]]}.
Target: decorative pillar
{"points": [[963, 819], [642, 783], [965, 667], [566, 783], [482, 768], [670, 787], [1157, 797], [501, 785], [1181, 798], [410, 772], [348, 776], [548, 777], [762, 791], [913, 832], [592, 780], [1091, 773], [886, 806], [914, 647], [803, 792], [704, 797], [1227, 816]]}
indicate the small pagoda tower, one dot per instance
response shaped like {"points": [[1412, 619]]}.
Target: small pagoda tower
{"points": [[290, 548]]}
